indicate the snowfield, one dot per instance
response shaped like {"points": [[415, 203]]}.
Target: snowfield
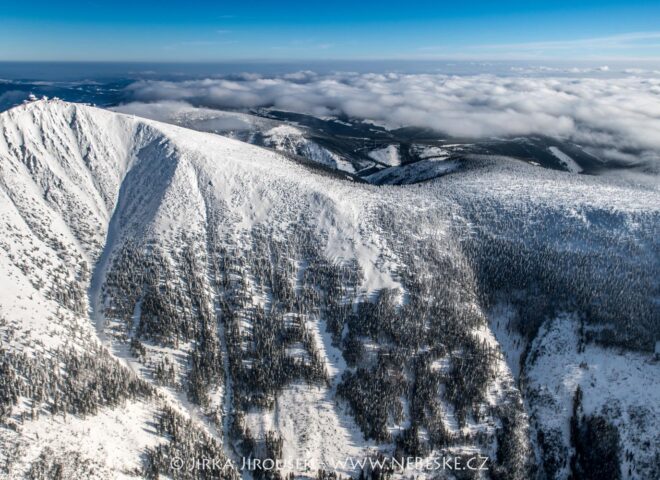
{"points": [[570, 164], [387, 155], [200, 271]]}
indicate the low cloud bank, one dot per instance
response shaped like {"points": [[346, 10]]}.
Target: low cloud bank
{"points": [[617, 117]]}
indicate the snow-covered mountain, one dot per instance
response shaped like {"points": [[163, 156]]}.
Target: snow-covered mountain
{"points": [[172, 294]]}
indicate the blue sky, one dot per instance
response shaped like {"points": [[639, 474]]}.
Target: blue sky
{"points": [[290, 30]]}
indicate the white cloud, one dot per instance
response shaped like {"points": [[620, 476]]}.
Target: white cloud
{"points": [[619, 116]]}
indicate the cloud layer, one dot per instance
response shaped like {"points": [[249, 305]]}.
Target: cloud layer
{"points": [[620, 117]]}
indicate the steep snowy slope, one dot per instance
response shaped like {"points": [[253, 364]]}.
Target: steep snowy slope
{"points": [[69, 408], [58, 188], [172, 293]]}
